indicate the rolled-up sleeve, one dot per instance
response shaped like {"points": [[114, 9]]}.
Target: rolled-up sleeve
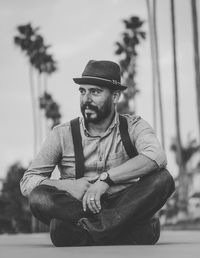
{"points": [[43, 164], [146, 141]]}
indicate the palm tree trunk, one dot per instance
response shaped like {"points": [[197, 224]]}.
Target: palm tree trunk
{"points": [[35, 131], [37, 226], [157, 70], [153, 65], [40, 111], [177, 117], [182, 200], [45, 84], [131, 89], [196, 56]]}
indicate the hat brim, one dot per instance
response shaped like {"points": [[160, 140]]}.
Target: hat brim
{"points": [[99, 82]]}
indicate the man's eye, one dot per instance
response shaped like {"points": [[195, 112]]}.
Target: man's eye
{"points": [[81, 91], [95, 91]]}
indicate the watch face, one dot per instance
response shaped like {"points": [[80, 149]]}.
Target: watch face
{"points": [[103, 176]]}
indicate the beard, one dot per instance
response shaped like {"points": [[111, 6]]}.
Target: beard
{"points": [[97, 114]]}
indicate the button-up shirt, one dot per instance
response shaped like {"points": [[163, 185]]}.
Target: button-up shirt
{"points": [[101, 153]]}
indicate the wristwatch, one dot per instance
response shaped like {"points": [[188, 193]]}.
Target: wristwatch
{"points": [[105, 177]]}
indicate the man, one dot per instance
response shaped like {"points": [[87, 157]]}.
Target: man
{"points": [[112, 167]]}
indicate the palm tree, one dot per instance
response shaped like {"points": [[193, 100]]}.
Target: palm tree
{"points": [[196, 55], [25, 41], [131, 37], [33, 45], [51, 108], [35, 57], [152, 45], [157, 70], [155, 67], [183, 177], [45, 65]]}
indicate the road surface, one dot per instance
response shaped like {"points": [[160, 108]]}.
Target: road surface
{"points": [[172, 244]]}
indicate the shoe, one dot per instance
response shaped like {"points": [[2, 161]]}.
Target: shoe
{"points": [[155, 222], [143, 233], [66, 233]]}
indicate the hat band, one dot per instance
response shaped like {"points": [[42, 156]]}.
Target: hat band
{"points": [[115, 82]]}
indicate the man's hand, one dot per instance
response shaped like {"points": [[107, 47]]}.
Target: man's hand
{"points": [[91, 199], [79, 187], [76, 188]]}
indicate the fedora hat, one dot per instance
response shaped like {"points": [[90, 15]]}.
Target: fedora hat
{"points": [[101, 73]]}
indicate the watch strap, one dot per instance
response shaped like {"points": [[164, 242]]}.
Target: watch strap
{"points": [[108, 180]]}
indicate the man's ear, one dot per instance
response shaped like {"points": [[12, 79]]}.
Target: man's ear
{"points": [[116, 96]]}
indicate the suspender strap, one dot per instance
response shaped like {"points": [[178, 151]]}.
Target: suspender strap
{"points": [[123, 128], [78, 148]]}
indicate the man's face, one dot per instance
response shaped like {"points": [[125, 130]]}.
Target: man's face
{"points": [[97, 103]]}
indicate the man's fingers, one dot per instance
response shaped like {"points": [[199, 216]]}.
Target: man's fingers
{"points": [[90, 203], [94, 202], [84, 202], [97, 200], [94, 205]]}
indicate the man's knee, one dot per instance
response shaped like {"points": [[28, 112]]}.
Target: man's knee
{"points": [[163, 182], [39, 199]]}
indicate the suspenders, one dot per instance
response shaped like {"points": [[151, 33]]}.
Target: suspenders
{"points": [[78, 148], [128, 146]]}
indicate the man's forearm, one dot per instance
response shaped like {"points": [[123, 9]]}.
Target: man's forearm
{"points": [[65, 185], [76, 187], [134, 168]]}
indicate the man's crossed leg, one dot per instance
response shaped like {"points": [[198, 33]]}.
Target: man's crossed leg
{"points": [[125, 218]]}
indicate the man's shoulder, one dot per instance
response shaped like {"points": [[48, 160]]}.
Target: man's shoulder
{"points": [[63, 131], [132, 119], [136, 123], [61, 126], [66, 126]]}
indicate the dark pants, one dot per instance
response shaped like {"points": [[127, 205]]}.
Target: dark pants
{"points": [[137, 203]]}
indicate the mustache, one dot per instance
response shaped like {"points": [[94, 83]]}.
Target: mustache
{"points": [[88, 105]]}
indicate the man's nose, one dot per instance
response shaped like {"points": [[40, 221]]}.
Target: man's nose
{"points": [[87, 97]]}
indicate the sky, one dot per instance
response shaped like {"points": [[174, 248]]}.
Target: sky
{"points": [[80, 30]]}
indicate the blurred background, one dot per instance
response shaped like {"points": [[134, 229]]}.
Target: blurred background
{"points": [[44, 44]]}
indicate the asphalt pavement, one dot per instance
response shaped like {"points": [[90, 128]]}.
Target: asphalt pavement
{"points": [[172, 244]]}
